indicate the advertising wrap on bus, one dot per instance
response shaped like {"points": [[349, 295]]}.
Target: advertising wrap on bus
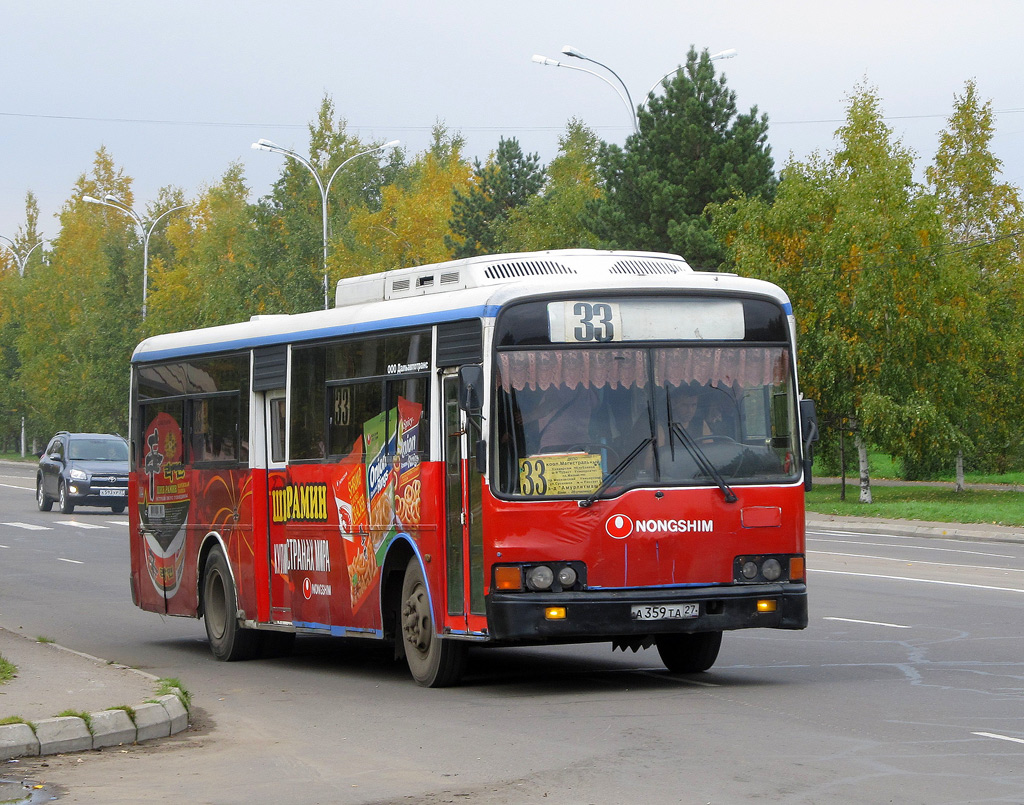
{"points": [[567, 446]]}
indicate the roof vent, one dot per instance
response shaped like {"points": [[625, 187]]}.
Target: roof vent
{"points": [[641, 267], [526, 268]]}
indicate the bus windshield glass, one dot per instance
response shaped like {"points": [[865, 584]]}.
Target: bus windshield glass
{"points": [[602, 419]]}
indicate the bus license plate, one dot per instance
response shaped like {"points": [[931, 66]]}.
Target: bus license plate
{"points": [[112, 493], [651, 612]]}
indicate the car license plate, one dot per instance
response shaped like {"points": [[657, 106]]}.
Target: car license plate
{"points": [[659, 612], [113, 493]]}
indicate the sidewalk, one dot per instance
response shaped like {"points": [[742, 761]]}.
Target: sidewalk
{"points": [[52, 679]]}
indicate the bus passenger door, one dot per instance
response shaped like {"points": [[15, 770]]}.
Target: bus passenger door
{"points": [[463, 527], [275, 428]]}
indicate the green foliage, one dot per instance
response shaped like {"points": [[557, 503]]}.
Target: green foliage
{"points": [[857, 245], [692, 150], [554, 218], [508, 180], [985, 221], [411, 223], [8, 670]]}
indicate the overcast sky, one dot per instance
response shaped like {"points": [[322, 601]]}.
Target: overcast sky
{"points": [[177, 91]]}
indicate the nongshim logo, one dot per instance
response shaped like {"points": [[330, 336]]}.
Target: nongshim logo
{"points": [[619, 526]]}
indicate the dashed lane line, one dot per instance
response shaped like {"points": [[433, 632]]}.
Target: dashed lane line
{"points": [[868, 623], [29, 526], [79, 524]]}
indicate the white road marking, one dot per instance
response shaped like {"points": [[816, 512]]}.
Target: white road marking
{"points": [[999, 737], [868, 623], [12, 486], [71, 561], [29, 526], [920, 562], [78, 524], [923, 581]]}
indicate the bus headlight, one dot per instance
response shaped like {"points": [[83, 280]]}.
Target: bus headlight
{"points": [[768, 569], [771, 569], [554, 577], [540, 577]]}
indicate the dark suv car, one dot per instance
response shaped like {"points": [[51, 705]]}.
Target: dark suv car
{"points": [[83, 469]]}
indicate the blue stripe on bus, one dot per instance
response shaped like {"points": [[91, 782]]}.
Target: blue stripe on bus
{"points": [[338, 631], [335, 331]]}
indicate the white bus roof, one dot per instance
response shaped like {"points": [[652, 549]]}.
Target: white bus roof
{"points": [[476, 287]]}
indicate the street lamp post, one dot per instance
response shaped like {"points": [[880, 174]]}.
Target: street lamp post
{"points": [[113, 201], [324, 187], [622, 90], [22, 261]]}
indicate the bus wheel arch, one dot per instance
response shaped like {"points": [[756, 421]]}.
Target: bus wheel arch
{"points": [[391, 577], [229, 641]]}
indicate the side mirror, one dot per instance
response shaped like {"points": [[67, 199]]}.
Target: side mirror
{"points": [[809, 435], [471, 379]]}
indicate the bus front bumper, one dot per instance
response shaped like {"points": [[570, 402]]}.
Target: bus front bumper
{"points": [[596, 615]]}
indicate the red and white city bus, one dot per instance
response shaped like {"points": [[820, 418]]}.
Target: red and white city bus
{"points": [[520, 449]]}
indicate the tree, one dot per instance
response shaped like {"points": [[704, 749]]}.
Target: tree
{"points": [[203, 286], [692, 149], [508, 180], [857, 244], [412, 222], [82, 312], [554, 218], [984, 221], [287, 244]]}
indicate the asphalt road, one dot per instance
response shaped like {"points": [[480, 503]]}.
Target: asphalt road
{"points": [[907, 687]]}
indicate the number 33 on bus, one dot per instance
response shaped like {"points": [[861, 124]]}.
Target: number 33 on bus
{"points": [[511, 450]]}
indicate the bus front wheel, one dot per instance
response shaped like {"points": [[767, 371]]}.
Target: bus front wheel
{"points": [[228, 640], [689, 653], [433, 661]]}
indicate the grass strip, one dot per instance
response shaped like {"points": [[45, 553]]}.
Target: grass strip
{"points": [[914, 502]]}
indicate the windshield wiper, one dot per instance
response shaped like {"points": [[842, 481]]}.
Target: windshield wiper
{"points": [[612, 476], [703, 461]]}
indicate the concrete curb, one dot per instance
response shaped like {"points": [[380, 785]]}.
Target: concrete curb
{"points": [[164, 716], [917, 528]]}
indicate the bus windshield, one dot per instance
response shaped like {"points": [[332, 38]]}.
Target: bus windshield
{"points": [[575, 422]]}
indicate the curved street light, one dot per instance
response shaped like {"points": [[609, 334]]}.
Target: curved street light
{"points": [[622, 90], [324, 187], [21, 260], [113, 201], [624, 97], [725, 54]]}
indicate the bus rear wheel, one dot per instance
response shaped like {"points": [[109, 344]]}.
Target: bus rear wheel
{"points": [[228, 641], [433, 661], [689, 653]]}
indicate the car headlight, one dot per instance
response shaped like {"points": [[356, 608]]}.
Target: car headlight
{"points": [[79, 475]]}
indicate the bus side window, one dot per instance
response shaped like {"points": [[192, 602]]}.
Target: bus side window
{"points": [[350, 407]]}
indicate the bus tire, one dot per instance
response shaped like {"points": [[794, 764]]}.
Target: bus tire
{"points": [[433, 661], [689, 653], [228, 641]]}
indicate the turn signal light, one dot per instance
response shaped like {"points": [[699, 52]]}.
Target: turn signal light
{"points": [[554, 613], [767, 605], [796, 568], [508, 577]]}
